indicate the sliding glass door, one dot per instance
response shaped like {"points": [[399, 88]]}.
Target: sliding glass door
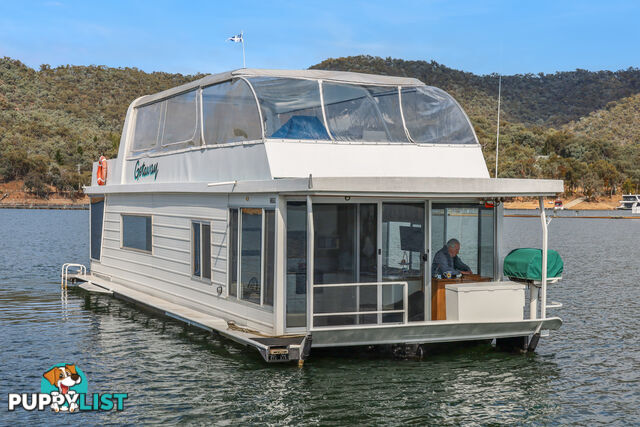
{"points": [[403, 244], [356, 243]]}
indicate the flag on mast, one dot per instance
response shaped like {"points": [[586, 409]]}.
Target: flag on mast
{"points": [[238, 38]]}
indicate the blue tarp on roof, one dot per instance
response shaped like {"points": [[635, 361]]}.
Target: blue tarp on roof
{"points": [[302, 127]]}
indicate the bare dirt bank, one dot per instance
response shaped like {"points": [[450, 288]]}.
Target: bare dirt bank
{"points": [[13, 195]]}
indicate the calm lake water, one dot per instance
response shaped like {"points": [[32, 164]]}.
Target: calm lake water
{"points": [[588, 372]]}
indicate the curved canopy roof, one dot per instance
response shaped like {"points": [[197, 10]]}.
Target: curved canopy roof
{"points": [[334, 76], [305, 105]]}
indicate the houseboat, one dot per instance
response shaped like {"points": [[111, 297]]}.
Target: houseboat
{"points": [[292, 210], [629, 202]]}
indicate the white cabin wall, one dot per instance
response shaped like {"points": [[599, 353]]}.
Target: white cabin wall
{"points": [[228, 162], [167, 271], [297, 159]]}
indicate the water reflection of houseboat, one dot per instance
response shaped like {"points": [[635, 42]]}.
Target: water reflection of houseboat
{"points": [[296, 209]]}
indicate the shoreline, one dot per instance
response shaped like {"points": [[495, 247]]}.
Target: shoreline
{"points": [[53, 206]]}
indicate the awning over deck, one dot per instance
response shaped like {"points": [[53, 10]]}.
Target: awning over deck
{"points": [[358, 186]]}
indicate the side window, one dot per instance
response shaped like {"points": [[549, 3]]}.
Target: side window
{"points": [[201, 250], [291, 108], [252, 255], [181, 119], [360, 113], [473, 227], [168, 125], [230, 113], [148, 121], [233, 253], [97, 214], [432, 116], [136, 232]]}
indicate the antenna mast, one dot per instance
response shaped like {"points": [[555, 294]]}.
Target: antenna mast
{"points": [[498, 127], [244, 64]]}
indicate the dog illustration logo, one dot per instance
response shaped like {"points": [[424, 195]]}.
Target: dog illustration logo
{"points": [[64, 389], [65, 380]]}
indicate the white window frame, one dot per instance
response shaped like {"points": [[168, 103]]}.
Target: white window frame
{"points": [[104, 210], [263, 243], [201, 277], [122, 246]]}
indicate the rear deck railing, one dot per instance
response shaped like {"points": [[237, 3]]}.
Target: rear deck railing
{"points": [[359, 304]]}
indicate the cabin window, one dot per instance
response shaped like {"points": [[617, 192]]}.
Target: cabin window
{"points": [[181, 119], [363, 113], [97, 215], [201, 249], [233, 253], [345, 240], [269, 255], [147, 129], [252, 255], [433, 116], [473, 227], [296, 307], [136, 232], [291, 108], [230, 113]]}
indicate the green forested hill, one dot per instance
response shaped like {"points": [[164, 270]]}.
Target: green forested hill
{"points": [[619, 122], [54, 119], [534, 99], [579, 126]]}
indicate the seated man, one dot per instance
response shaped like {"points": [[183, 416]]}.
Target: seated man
{"points": [[447, 260]]}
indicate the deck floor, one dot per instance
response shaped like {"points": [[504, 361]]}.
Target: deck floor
{"points": [[176, 311]]}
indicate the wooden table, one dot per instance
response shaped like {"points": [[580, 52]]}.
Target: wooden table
{"points": [[438, 296]]}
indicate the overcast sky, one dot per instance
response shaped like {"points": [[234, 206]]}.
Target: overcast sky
{"points": [[482, 37]]}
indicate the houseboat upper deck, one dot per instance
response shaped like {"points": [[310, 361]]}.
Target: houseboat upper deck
{"points": [[310, 206]]}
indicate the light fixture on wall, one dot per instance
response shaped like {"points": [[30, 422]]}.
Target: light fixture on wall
{"points": [[347, 198]]}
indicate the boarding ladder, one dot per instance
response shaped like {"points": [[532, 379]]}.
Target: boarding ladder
{"points": [[64, 273]]}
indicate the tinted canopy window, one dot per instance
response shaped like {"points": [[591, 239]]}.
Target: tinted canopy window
{"points": [[291, 108], [230, 113], [360, 113], [181, 119], [432, 116], [148, 120]]}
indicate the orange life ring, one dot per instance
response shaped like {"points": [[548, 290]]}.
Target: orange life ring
{"points": [[101, 174]]}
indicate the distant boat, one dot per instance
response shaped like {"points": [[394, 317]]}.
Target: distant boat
{"points": [[629, 201]]}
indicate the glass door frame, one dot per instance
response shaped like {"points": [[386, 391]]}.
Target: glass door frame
{"points": [[356, 200]]}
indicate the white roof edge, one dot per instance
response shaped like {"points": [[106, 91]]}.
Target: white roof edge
{"points": [[400, 186], [335, 76]]}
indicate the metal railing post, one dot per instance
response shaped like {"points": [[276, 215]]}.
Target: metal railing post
{"points": [[310, 244], [543, 219], [405, 299]]}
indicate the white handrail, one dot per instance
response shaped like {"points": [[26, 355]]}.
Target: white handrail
{"points": [[545, 242], [404, 311], [64, 273]]}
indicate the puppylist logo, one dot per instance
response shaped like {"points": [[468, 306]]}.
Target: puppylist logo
{"points": [[64, 388]]}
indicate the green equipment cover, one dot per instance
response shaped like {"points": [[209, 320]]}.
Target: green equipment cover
{"points": [[526, 263]]}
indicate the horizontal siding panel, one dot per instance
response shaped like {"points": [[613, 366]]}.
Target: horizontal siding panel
{"points": [[180, 234], [182, 245]]}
